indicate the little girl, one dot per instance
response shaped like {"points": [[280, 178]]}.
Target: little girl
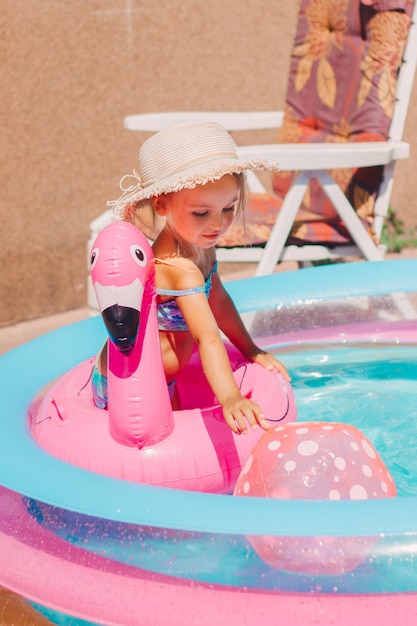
{"points": [[192, 180]]}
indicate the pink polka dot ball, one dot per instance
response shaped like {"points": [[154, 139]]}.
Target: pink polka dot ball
{"points": [[314, 461]]}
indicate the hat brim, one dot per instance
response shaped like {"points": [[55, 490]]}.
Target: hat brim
{"points": [[189, 179]]}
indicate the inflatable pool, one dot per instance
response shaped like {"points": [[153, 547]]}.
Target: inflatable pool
{"points": [[86, 548]]}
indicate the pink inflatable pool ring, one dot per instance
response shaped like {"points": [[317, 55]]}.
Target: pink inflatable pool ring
{"points": [[314, 461], [140, 438]]}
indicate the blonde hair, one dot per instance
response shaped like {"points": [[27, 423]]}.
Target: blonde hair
{"points": [[143, 215]]}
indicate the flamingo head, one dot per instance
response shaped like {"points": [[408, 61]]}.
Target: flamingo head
{"points": [[121, 264]]}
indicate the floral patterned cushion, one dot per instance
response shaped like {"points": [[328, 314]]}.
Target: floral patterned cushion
{"points": [[342, 84]]}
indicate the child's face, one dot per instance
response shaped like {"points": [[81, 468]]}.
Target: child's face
{"points": [[200, 216]]}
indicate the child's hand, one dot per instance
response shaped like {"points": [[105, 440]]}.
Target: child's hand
{"points": [[269, 362], [239, 412]]}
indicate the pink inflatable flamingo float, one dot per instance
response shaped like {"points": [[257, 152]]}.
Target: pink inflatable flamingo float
{"points": [[140, 438]]}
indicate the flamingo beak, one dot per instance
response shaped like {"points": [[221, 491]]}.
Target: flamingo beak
{"points": [[122, 323]]}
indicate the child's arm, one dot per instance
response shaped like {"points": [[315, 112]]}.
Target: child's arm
{"points": [[231, 324], [238, 411]]}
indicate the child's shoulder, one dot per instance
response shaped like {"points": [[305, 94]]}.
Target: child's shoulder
{"points": [[172, 262], [177, 272]]}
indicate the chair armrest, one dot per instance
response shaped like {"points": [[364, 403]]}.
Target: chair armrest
{"points": [[250, 120], [327, 156]]}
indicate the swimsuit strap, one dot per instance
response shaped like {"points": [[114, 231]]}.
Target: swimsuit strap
{"points": [[180, 292], [188, 292]]}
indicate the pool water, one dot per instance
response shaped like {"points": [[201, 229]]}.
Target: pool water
{"points": [[371, 386]]}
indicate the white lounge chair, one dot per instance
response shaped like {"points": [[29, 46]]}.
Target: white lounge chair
{"points": [[323, 160]]}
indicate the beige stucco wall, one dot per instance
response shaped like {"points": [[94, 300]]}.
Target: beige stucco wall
{"points": [[71, 70]]}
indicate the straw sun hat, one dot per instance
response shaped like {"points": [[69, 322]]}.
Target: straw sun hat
{"points": [[181, 157]]}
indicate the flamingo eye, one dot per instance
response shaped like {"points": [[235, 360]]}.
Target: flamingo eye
{"points": [[93, 258], [138, 255]]}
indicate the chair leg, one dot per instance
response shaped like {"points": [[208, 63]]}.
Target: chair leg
{"points": [[282, 227], [286, 218], [349, 216], [382, 201]]}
